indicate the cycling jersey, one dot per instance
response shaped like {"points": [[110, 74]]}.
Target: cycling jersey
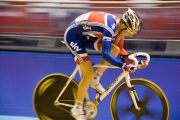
{"points": [[94, 30]]}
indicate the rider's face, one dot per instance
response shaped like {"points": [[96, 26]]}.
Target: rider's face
{"points": [[122, 31], [125, 33]]}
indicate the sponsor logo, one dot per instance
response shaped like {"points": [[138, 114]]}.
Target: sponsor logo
{"points": [[113, 26], [85, 27], [112, 85], [81, 23], [75, 47]]}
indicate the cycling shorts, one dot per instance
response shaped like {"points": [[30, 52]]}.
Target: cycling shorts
{"points": [[78, 43]]}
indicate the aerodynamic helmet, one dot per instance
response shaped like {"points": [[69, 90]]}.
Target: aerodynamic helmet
{"points": [[132, 21]]}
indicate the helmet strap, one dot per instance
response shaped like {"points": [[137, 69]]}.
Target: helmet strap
{"points": [[121, 30]]}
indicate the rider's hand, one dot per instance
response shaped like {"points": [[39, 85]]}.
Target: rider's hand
{"points": [[130, 68], [142, 64]]}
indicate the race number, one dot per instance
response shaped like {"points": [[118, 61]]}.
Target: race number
{"points": [[82, 19]]}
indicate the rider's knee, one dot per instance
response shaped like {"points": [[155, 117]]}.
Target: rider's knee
{"points": [[89, 74], [87, 70]]}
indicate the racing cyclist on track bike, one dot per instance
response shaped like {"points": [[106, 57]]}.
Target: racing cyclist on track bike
{"points": [[96, 30]]}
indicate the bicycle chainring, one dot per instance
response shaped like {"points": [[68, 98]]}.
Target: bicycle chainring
{"points": [[90, 109]]}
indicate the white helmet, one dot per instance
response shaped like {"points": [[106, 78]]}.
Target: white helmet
{"points": [[132, 21]]}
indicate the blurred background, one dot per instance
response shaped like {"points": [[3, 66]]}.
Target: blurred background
{"points": [[39, 25], [30, 47]]}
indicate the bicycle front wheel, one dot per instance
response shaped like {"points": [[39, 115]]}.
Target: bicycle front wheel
{"points": [[152, 101], [45, 94]]}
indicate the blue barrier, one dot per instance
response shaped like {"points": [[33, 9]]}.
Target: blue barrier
{"points": [[21, 71]]}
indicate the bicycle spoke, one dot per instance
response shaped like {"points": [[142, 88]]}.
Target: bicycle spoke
{"points": [[148, 95], [154, 114], [153, 105], [127, 112], [155, 111], [124, 109], [151, 102]]}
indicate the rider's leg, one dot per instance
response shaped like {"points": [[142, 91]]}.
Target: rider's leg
{"points": [[88, 73], [76, 45], [95, 81]]}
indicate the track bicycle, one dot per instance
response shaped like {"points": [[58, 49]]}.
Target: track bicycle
{"points": [[133, 99]]}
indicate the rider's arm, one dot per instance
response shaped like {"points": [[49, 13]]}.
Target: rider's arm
{"points": [[123, 53], [108, 33], [106, 47]]}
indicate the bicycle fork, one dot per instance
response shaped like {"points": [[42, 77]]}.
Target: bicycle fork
{"points": [[133, 93]]}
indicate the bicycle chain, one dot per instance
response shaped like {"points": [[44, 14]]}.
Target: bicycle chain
{"points": [[66, 100]]}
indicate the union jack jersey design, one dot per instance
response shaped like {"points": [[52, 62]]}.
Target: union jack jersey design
{"points": [[93, 30]]}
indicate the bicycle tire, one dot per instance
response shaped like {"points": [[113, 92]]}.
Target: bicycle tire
{"points": [[155, 89], [46, 92]]}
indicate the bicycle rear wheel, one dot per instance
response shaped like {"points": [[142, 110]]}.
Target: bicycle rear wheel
{"points": [[153, 102], [46, 92]]}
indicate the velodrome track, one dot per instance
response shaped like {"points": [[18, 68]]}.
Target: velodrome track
{"points": [[21, 71], [3, 117]]}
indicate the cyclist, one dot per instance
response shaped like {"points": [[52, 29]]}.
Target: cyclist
{"points": [[96, 30]]}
